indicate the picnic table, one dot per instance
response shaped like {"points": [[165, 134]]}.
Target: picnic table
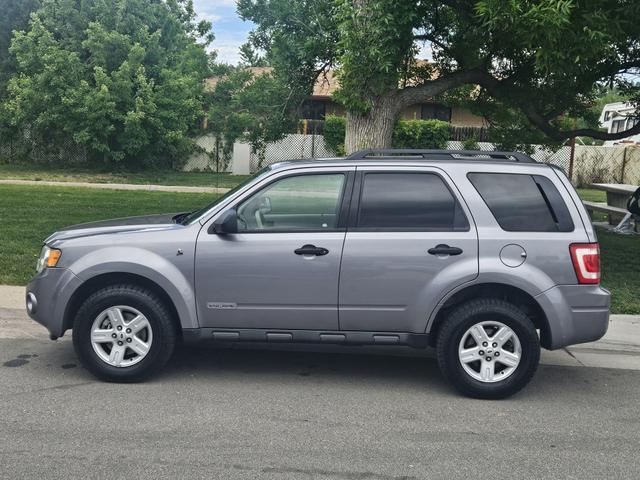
{"points": [[617, 196]]}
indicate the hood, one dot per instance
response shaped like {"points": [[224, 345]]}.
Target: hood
{"points": [[116, 225]]}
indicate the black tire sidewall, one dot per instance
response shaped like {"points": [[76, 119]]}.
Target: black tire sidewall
{"points": [[463, 319], [163, 335]]}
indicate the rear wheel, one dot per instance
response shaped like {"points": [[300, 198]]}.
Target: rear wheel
{"points": [[488, 348], [123, 333]]}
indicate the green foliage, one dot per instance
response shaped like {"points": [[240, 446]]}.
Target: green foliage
{"points": [[121, 80], [334, 132], [249, 107], [14, 16], [470, 144], [374, 45], [421, 134], [537, 60]]}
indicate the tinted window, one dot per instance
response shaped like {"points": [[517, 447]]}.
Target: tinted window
{"points": [[523, 203], [302, 202], [419, 201]]}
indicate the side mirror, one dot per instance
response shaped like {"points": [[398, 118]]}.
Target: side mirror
{"points": [[225, 223]]}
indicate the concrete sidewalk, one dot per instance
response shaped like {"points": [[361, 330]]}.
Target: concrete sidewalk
{"points": [[118, 186]]}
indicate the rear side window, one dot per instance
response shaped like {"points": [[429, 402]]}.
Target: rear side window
{"points": [[523, 203], [411, 201]]}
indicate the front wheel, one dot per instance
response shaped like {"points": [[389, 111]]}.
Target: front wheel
{"points": [[488, 348], [123, 333]]}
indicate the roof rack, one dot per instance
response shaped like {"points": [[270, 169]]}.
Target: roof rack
{"points": [[441, 154]]}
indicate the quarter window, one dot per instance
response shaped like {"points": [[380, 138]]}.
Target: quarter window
{"points": [[302, 202], [523, 203], [414, 201]]}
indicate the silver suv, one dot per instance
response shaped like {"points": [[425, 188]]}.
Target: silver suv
{"points": [[485, 256]]}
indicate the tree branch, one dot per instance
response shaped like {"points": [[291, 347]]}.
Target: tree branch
{"points": [[495, 88]]}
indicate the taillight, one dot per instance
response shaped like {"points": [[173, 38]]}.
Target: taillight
{"points": [[586, 261]]}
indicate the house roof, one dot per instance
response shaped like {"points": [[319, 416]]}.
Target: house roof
{"points": [[325, 84]]}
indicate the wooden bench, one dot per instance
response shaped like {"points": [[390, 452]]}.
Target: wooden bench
{"points": [[603, 207], [615, 214]]}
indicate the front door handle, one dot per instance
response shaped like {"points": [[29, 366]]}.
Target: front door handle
{"points": [[443, 249], [311, 250]]}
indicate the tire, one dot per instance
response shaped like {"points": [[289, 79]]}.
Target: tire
{"points": [[477, 370], [145, 334]]}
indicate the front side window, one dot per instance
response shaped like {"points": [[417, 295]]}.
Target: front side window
{"points": [[413, 201], [301, 202]]}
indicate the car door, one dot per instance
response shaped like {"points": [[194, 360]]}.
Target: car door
{"points": [[280, 271], [410, 240]]}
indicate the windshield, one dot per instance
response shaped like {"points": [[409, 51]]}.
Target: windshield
{"points": [[191, 217]]}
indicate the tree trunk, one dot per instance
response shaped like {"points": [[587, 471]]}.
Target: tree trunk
{"points": [[373, 129]]}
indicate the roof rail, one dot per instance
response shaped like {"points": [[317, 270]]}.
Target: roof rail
{"points": [[441, 154]]}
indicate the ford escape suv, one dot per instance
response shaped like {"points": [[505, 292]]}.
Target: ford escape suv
{"points": [[485, 256]]}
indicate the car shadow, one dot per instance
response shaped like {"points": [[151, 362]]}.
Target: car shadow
{"points": [[265, 362]]}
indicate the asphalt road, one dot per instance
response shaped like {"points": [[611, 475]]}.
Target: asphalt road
{"points": [[230, 413]]}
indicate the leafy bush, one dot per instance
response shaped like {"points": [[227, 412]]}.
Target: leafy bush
{"points": [[406, 134], [470, 144], [420, 134], [334, 132]]}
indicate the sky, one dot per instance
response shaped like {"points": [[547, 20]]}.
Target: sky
{"points": [[230, 31]]}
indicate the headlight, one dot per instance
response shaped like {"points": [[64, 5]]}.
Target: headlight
{"points": [[48, 258]]}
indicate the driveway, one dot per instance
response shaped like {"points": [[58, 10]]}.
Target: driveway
{"points": [[286, 414]]}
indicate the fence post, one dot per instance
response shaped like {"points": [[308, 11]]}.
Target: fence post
{"points": [[624, 164], [571, 157]]}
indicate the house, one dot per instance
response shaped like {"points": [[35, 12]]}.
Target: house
{"points": [[618, 117], [320, 104]]}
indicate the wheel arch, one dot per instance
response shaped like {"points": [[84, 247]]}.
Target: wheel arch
{"points": [[514, 295], [114, 278]]}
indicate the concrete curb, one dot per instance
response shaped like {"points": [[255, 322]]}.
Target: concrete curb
{"points": [[117, 186]]}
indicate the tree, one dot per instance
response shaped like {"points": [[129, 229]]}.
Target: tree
{"points": [[123, 80], [539, 58], [15, 16], [249, 106]]}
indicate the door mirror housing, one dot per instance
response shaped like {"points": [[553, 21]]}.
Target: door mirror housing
{"points": [[225, 223]]}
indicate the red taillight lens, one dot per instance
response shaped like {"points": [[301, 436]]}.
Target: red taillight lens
{"points": [[586, 261]]}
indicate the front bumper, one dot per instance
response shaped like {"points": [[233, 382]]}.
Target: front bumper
{"points": [[47, 297], [575, 313]]}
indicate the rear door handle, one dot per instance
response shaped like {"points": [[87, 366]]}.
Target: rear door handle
{"points": [[311, 250], [443, 249]]}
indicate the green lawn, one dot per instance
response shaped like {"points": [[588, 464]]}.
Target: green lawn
{"points": [[592, 195], [158, 177], [620, 257], [30, 213]]}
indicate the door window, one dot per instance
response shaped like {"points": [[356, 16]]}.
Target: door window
{"points": [[409, 201], [301, 202]]}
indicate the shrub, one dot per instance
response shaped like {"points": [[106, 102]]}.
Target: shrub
{"points": [[406, 134], [421, 134], [334, 131]]}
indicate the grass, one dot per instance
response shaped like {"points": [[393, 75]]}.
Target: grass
{"points": [[156, 177], [592, 195], [30, 213], [620, 257]]}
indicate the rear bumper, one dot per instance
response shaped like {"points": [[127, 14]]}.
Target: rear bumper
{"points": [[47, 297], [575, 313]]}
